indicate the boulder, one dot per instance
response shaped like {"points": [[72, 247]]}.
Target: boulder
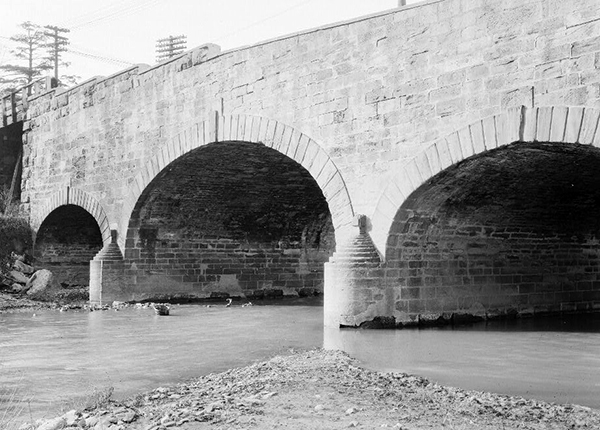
{"points": [[18, 288], [53, 424], [41, 284], [18, 277], [23, 267]]}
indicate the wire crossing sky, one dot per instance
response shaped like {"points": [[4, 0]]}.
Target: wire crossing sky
{"points": [[106, 36]]}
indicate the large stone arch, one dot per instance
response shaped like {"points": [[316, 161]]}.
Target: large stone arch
{"points": [[253, 129], [558, 124], [77, 197]]}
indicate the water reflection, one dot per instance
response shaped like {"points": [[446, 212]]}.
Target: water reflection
{"points": [[59, 358], [552, 359]]}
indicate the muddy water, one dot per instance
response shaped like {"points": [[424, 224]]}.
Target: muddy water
{"points": [[57, 359], [551, 359]]}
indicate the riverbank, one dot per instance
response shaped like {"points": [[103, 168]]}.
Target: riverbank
{"points": [[319, 389], [74, 298]]}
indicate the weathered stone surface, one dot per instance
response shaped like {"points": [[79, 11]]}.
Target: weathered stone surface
{"points": [[23, 267], [355, 105], [41, 284], [53, 424], [18, 276]]}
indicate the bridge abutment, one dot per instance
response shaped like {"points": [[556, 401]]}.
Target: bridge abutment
{"points": [[108, 281], [354, 282]]}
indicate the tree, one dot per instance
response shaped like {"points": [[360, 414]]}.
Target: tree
{"points": [[31, 56]]}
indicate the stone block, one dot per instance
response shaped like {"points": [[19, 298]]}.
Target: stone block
{"points": [[530, 123], [490, 133], [477, 137], [573, 124], [559, 122], [589, 126], [450, 107], [443, 153], [433, 159], [522, 96], [454, 148]]}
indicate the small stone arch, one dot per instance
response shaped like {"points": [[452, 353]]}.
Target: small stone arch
{"points": [[253, 129], [558, 124], [77, 197]]}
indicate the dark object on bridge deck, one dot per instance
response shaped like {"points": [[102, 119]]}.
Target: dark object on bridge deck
{"points": [[161, 308]]}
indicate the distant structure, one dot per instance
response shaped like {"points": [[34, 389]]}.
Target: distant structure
{"points": [[401, 3], [57, 46], [169, 47]]}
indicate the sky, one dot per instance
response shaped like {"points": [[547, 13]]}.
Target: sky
{"points": [[110, 35]]}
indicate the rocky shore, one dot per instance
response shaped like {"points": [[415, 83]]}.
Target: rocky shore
{"points": [[318, 389]]}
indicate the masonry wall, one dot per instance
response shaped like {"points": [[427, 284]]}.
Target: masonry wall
{"points": [[372, 92], [230, 220], [483, 239], [66, 243]]}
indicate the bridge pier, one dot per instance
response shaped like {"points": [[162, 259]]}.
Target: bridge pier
{"points": [[354, 282], [107, 274]]}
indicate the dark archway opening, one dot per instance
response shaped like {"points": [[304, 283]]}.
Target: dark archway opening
{"points": [[11, 150], [66, 242], [512, 231], [230, 219]]}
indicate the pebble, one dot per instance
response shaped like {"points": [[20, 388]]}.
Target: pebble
{"points": [[319, 408], [71, 417], [127, 416], [91, 421], [53, 424]]}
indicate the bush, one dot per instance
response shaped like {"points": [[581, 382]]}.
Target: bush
{"points": [[15, 236]]}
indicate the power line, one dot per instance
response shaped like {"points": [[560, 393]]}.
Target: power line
{"points": [[116, 14], [254, 24], [100, 58], [86, 16]]}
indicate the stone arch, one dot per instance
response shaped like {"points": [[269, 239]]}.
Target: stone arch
{"points": [[555, 124], [77, 197], [253, 129]]}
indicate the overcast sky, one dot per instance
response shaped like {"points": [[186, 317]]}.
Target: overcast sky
{"points": [[109, 35]]}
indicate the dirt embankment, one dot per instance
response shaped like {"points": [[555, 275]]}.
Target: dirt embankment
{"points": [[321, 389]]}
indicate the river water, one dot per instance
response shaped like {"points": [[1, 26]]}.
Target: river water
{"points": [[55, 359]]}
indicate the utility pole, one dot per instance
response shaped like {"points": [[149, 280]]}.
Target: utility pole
{"points": [[170, 47], [58, 46]]}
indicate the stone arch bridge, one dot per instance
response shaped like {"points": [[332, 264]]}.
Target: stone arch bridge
{"points": [[428, 163]]}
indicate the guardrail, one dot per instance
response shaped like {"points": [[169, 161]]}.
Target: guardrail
{"points": [[13, 105]]}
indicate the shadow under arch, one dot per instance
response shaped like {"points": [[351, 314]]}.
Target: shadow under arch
{"points": [[73, 229], [252, 129], [552, 124], [241, 185], [76, 197]]}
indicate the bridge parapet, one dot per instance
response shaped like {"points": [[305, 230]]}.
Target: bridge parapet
{"points": [[14, 105]]}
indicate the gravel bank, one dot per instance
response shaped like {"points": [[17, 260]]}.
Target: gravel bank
{"points": [[320, 389]]}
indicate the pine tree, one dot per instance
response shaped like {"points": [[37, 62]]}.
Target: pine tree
{"points": [[30, 55]]}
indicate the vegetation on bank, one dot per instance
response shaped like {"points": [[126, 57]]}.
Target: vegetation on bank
{"points": [[15, 236], [16, 242]]}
